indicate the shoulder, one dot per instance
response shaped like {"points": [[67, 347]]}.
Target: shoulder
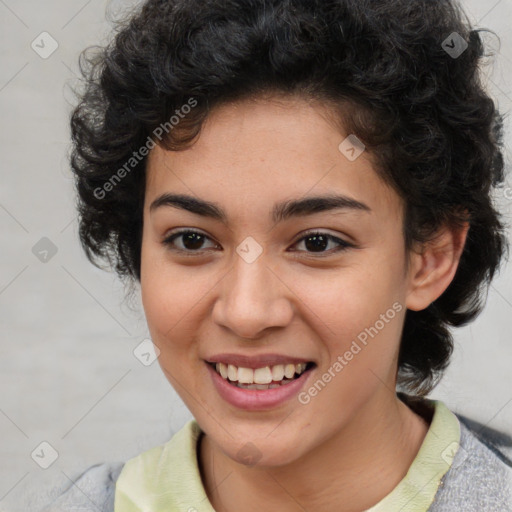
{"points": [[92, 490], [480, 477], [500, 443]]}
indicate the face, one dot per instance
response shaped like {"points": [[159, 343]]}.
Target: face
{"points": [[262, 285]]}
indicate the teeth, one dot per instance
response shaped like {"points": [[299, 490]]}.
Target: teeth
{"points": [[260, 378], [278, 372], [289, 371], [261, 375], [255, 386], [232, 372], [223, 370], [246, 375]]}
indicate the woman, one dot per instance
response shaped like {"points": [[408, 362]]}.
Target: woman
{"points": [[302, 192]]}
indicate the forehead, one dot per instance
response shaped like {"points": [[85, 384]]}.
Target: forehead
{"points": [[255, 153]]}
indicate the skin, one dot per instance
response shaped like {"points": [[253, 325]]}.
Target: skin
{"points": [[290, 300]]}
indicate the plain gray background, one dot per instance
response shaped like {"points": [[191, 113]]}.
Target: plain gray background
{"points": [[68, 373]]}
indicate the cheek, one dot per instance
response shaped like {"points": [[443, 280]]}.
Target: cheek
{"points": [[173, 296], [365, 324], [359, 313], [347, 300], [167, 292], [171, 330], [165, 300]]}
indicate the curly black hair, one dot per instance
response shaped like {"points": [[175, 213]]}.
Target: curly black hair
{"points": [[404, 74]]}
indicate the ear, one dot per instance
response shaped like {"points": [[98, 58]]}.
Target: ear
{"points": [[433, 267]]}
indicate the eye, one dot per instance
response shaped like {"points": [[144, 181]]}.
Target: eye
{"points": [[192, 241], [315, 242]]}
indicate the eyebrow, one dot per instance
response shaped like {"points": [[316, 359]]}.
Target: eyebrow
{"points": [[280, 212]]}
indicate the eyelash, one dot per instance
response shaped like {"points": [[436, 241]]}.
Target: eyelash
{"points": [[343, 245]]}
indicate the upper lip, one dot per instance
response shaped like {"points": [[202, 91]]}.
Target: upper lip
{"points": [[258, 361]]}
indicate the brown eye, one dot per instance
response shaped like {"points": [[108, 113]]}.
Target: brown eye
{"points": [[314, 242], [317, 242], [192, 241]]}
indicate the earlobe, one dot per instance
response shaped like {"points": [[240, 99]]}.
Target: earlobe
{"points": [[433, 267]]}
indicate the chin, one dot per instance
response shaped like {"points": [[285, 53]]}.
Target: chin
{"points": [[261, 452]]}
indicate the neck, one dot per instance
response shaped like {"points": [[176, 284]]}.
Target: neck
{"points": [[349, 472]]}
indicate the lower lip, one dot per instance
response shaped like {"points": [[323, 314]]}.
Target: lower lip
{"points": [[257, 399]]}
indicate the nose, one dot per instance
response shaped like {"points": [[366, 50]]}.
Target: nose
{"points": [[252, 299]]}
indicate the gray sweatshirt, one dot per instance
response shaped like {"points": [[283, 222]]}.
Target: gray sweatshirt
{"points": [[479, 480]]}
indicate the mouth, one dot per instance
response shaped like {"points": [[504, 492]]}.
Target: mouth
{"points": [[266, 377]]}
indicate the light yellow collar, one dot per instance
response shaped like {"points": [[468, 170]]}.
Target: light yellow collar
{"points": [[166, 478], [416, 491]]}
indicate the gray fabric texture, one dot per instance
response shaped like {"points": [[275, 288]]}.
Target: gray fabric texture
{"points": [[480, 479], [92, 491]]}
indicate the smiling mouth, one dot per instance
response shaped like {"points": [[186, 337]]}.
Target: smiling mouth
{"points": [[268, 377]]}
